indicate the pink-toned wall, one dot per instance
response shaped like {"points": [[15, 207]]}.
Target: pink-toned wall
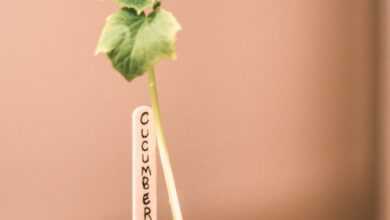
{"points": [[269, 111]]}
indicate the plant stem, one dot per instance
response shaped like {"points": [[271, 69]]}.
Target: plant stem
{"points": [[164, 156]]}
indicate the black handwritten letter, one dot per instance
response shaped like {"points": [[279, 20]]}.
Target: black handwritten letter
{"points": [[145, 158], [144, 118], [144, 135], [146, 170], [144, 145], [146, 199], [147, 212], [145, 182]]}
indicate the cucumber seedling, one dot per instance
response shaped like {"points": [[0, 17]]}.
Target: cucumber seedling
{"points": [[135, 41]]}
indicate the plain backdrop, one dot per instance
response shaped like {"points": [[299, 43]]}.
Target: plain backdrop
{"points": [[269, 111]]}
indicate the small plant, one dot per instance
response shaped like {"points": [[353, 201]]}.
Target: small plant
{"points": [[135, 41]]}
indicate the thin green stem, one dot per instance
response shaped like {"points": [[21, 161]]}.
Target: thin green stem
{"points": [[162, 146]]}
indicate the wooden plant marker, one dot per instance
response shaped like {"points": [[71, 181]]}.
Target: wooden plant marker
{"points": [[144, 165]]}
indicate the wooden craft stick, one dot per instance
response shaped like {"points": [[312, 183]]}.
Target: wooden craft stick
{"points": [[144, 165]]}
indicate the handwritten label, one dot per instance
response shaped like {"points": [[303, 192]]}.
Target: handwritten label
{"points": [[144, 165]]}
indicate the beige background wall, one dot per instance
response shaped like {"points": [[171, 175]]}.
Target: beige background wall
{"points": [[269, 111]]}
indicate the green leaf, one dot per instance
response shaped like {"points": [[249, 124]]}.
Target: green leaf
{"points": [[138, 5], [135, 43]]}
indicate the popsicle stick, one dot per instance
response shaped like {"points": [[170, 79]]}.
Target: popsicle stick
{"points": [[144, 165]]}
